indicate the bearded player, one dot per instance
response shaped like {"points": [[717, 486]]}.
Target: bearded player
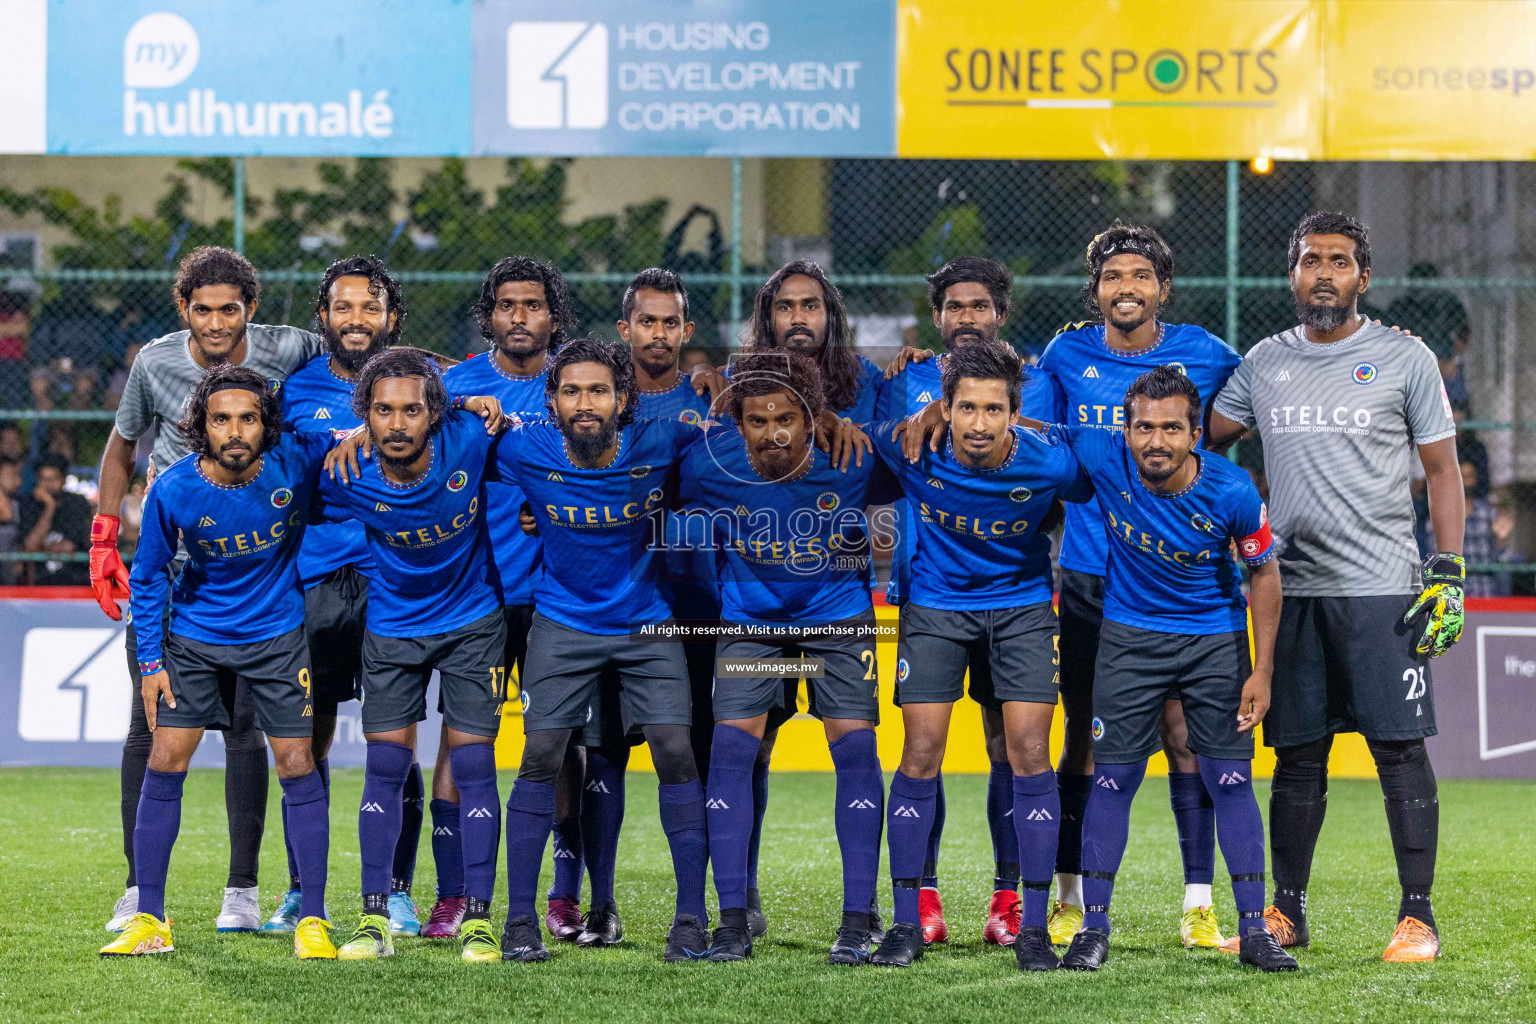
{"points": [[1130, 285], [1337, 401], [239, 502], [360, 310], [969, 298]]}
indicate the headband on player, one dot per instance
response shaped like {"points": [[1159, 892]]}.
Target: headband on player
{"points": [[1129, 247]]}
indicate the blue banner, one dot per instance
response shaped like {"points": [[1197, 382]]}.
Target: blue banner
{"points": [[284, 77], [716, 78]]}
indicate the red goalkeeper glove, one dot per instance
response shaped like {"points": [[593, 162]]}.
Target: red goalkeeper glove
{"points": [[109, 579]]}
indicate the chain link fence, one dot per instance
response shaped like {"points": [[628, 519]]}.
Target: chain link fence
{"points": [[85, 270]]}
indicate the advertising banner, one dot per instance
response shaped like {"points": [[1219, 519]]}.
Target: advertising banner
{"points": [[286, 77], [1136, 79], [728, 77], [65, 698], [1431, 80]]}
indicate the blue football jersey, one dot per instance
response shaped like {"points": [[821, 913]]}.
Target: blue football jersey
{"points": [[908, 392], [1090, 380], [794, 552], [679, 402], [1170, 564], [315, 399], [976, 540], [603, 529], [517, 555], [428, 538], [240, 581]]}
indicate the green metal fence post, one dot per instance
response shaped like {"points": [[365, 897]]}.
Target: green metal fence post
{"points": [[735, 245], [1232, 262], [239, 204]]}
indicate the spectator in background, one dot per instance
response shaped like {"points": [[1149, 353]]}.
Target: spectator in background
{"points": [[1440, 319], [119, 378], [58, 522], [1470, 449], [1489, 529], [15, 327], [10, 519], [11, 444], [132, 520]]}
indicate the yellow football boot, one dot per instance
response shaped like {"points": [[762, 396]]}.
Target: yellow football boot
{"points": [[480, 945], [1066, 920], [145, 934], [371, 940], [312, 940], [1198, 929]]}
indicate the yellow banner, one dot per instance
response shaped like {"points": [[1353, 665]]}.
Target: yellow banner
{"points": [[802, 745], [1431, 80], [1126, 79]]}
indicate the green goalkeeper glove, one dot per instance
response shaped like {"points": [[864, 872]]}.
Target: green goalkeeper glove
{"points": [[1444, 575]]}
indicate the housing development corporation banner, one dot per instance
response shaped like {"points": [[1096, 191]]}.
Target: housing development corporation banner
{"points": [[65, 697], [1020, 79]]}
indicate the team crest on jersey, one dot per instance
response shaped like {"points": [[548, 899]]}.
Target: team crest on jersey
{"points": [[690, 417], [902, 670], [525, 700], [281, 497], [1202, 522], [1179, 367], [636, 472], [458, 480], [1364, 373], [826, 501], [1098, 727], [1021, 494]]}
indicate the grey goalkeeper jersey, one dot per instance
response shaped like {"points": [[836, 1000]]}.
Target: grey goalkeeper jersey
{"points": [[1337, 421], [161, 380]]}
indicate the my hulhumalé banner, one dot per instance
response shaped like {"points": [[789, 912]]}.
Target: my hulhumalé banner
{"points": [[1431, 80], [1129, 79]]}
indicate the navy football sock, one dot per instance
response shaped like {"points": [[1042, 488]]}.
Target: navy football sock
{"points": [[154, 833], [935, 836], [759, 808], [682, 819], [732, 757], [530, 816], [602, 817], [412, 799], [474, 775], [378, 819], [293, 862], [1005, 839], [1195, 816], [306, 819], [1036, 821], [860, 807], [567, 856], [1241, 828], [447, 849], [1072, 791], [1106, 824], [908, 819]]}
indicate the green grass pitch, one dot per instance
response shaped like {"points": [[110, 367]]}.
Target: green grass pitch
{"points": [[61, 868]]}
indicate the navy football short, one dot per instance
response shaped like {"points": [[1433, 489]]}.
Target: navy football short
{"points": [[1017, 646], [1139, 669], [1348, 664], [472, 679], [204, 678], [849, 687], [335, 618], [1081, 607], [565, 670]]}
